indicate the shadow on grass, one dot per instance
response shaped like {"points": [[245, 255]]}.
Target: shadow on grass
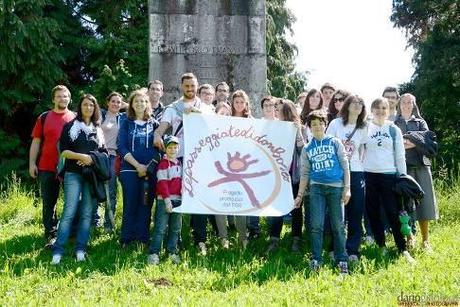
{"points": [[234, 266]]}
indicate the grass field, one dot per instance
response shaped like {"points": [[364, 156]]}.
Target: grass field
{"points": [[112, 276]]}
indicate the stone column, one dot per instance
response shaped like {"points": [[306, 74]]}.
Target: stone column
{"points": [[218, 40]]}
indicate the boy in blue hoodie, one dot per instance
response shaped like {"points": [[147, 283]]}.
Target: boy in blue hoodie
{"points": [[325, 172]]}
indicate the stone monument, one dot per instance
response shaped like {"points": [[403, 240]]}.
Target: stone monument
{"points": [[218, 40]]}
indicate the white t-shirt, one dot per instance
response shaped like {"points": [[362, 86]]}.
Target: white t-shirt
{"points": [[173, 118], [381, 155], [337, 129]]}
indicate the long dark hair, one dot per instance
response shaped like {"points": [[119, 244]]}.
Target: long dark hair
{"points": [[306, 106], [96, 117], [332, 111], [241, 94], [361, 120], [289, 112]]}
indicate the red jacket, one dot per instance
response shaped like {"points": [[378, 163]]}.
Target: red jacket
{"points": [[169, 176]]}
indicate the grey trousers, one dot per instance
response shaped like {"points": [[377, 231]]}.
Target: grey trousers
{"points": [[240, 223]]}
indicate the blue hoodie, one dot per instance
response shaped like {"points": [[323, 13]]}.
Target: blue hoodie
{"points": [[137, 140], [323, 161]]}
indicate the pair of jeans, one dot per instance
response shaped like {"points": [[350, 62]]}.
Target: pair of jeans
{"points": [[135, 223], [49, 190], [324, 197], [253, 225], [354, 212], [77, 198], [198, 223], [113, 187], [276, 222], [163, 221], [381, 197]]}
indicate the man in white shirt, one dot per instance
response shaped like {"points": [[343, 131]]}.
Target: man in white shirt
{"points": [[172, 117]]}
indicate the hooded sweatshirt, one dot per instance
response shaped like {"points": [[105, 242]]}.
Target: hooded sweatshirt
{"points": [[136, 138]]}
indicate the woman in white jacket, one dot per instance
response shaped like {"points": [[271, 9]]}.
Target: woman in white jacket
{"points": [[384, 160]]}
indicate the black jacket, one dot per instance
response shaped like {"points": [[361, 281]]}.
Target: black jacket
{"points": [[416, 130], [408, 189], [97, 174]]}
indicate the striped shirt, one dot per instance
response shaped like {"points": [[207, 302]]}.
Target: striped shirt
{"points": [[169, 179]]}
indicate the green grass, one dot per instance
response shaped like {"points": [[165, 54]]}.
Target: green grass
{"points": [[112, 276]]}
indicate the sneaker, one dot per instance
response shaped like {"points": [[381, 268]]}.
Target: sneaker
{"points": [[225, 243], [80, 256], [202, 248], [411, 242], [273, 246], [153, 259], [314, 266], [50, 242], [353, 258], [408, 257], [295, 247], [426, 246], [56, 259], [175, 258], [343, 267], [369, 240]]}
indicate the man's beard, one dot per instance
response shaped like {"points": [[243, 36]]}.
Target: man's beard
{"points": [[189, 96], [61, 107]]}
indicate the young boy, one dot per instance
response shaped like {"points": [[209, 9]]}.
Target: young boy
{"points": [[168, 189], [325, 168]]}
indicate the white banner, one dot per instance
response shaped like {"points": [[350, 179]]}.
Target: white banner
{"points": [[237, 166]]}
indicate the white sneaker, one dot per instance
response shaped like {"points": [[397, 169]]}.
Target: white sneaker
{"points": [[353, 258], [175, 258], [369, 240], [225, 243], [427, 247], [408, 257], [202, 248], [56, 259], [80, 256], [153, 259]]}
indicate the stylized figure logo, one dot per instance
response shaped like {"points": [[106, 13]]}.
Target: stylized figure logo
{"points": [[236, 165]]}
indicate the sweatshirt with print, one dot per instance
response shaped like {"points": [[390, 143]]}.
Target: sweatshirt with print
{"points": [[324, 161], [136, 138], [382, 153]]}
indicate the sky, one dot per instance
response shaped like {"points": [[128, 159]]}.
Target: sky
{"points": [[350, 43]]}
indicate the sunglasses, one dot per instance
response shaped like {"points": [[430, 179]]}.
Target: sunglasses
{"points": [[338, 99]]}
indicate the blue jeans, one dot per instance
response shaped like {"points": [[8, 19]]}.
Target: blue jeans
{"points": [[322, 197], [75, 187], [354, 212], [135, 223], [163, 221], [112, 194]]}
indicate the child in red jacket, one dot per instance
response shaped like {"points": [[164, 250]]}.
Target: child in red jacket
{"points": [[168, 190]]}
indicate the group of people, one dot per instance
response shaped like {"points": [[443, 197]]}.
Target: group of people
{"points": [[344, 167]]}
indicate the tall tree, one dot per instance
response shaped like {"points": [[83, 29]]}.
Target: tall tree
{"points": [[282, 78], [36, 52], [433, 30]]}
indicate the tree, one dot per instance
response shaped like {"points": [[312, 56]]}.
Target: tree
{"points": [[34, 55], [433, 31], [282, 79]]}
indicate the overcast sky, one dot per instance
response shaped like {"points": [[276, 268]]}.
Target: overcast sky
{"points": [[351, 43]]}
